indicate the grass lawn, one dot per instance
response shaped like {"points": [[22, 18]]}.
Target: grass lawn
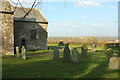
{"points": [[28, 53], [95, 65]]}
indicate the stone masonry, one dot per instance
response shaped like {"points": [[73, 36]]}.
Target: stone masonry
{"points": [[7, 28]]}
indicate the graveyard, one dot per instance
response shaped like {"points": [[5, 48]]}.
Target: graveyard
{"points": [[59, 40], [93, 65]]}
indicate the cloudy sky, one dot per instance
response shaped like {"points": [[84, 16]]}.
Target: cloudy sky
{"points": [[81, 17]]}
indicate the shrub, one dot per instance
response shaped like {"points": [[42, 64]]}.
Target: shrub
{"points": [[61, 43], [67, 44]]}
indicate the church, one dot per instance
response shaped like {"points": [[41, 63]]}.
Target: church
{"points": [[22, 27]]}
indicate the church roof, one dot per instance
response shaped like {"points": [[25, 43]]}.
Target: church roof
{"points": [[34, 15]]}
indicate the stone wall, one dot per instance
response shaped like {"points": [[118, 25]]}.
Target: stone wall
{"points": [[22, 30]]}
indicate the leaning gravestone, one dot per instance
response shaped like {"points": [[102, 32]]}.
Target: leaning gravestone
{"points": [[114, 63], [66, 54], [56, 54], [23, 52], [17, 51], [84, 50], [75, 58]]}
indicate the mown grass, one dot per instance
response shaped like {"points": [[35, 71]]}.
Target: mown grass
{"points": [[28, 53], [95, 65], [38, 51]]}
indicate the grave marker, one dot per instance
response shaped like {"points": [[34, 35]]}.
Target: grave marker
{"points": [[114, 63], [84, 50], [56, 54], [23, 52], [66, 54], [75, 58], [17, 51], [94, 47]]}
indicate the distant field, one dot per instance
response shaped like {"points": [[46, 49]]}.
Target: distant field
{"points": [[81, 40]]}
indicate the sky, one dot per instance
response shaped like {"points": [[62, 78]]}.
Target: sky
{"points": [[81, 18]]}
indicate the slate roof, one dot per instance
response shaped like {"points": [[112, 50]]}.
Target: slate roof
{"points": [[34, 15]]}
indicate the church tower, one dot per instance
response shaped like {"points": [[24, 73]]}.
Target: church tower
{"points": [[7, 28]]}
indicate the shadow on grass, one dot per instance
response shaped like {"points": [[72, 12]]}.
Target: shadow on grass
{"points": [[52, 47], [92, 66], [100, 50], [43, 69], [102, 71]]}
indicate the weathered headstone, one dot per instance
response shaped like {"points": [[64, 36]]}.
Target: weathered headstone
{"points": [[94, 47], [23, 52], [75, 58], [17, 51], [114, 63], [84, 50], [56, 54], [66, 54]]}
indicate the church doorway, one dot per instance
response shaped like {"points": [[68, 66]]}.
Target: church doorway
{"points": [[23, 42]]}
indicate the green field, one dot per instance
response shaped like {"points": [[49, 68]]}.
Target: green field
{"points": [[95, 65]]}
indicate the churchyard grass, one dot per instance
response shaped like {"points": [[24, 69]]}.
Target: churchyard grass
{"points": [[38, 51], [95, 65], [29, 53]]}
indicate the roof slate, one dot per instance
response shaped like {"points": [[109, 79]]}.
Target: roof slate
{"points": [[34, 15]]}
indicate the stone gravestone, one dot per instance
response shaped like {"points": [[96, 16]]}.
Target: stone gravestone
{"points": [[66, 54], [17, 51], [94, 47], [23, 52], [56, 54], [114, 63], [75, 58], [84, 50]]}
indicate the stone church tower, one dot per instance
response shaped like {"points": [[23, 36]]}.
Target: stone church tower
{"points": [[6, 18]]}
